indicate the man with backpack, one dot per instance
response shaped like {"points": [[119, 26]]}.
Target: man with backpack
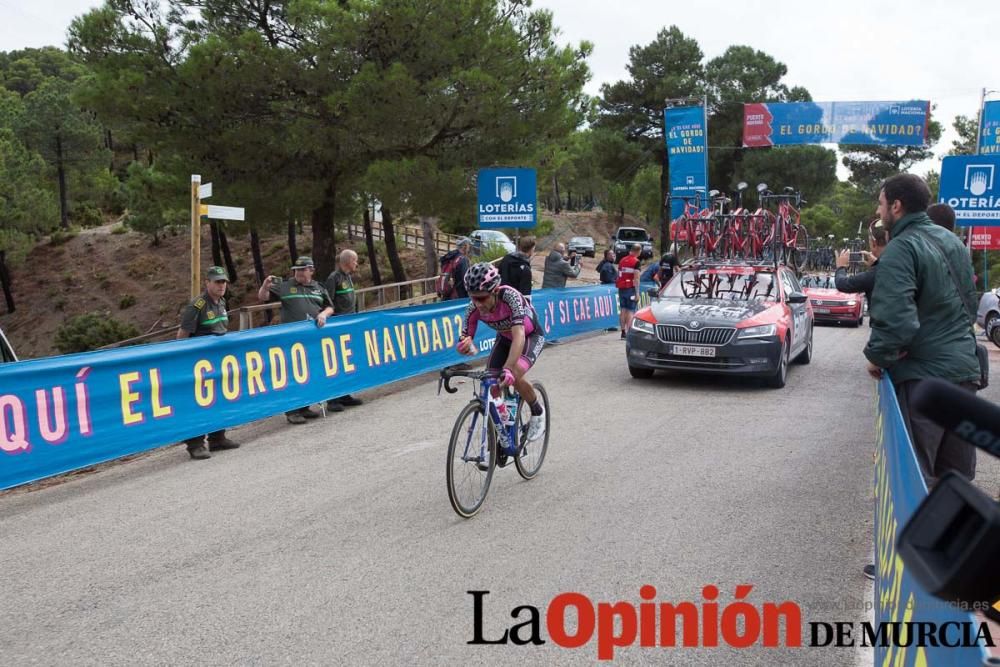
{"points": [[450, 283], [515, 268]]}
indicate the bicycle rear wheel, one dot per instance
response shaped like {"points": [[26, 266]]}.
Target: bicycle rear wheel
{"points": [[531, 455], [472, 447], [798, 254]]}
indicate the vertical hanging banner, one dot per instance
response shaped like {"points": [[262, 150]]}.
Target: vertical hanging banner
{"points": [[864, 123], [989, 131], [686, 131]]}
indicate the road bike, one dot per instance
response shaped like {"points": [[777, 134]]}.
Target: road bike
{"points": [[490, 431], [789, 239]]}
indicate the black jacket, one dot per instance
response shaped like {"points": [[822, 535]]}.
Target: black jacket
{"points": [[608, 272], [515, 270], [862, 282]]}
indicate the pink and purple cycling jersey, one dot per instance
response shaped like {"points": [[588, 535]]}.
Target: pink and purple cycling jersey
{"points": [[511, 309]]}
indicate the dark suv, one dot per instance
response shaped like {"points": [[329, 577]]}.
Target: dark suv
{"points": [[626, 237]]}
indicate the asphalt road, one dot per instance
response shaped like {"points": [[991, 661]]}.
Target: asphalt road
{"points": [[334, 543]]}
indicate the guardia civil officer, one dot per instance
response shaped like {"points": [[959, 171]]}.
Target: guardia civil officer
{"points": [[302, 298], [340, 285], [207, 316]]}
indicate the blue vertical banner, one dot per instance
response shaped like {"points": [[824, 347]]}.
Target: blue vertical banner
{"points": [[899, 599], [989, 130], [506, 197], [686, 130]]}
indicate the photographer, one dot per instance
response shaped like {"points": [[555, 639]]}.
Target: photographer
{"points": [[878, 237], [559, 266]]}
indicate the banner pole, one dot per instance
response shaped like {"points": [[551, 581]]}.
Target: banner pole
{"points": [[195, 236]]}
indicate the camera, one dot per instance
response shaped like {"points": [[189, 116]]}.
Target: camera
{"points": [[857, 257], [951, 544]]}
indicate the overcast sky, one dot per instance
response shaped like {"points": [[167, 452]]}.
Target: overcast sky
{"points": [[840, 50]]}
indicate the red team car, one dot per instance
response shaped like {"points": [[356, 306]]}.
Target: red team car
{"points": [[724, 318], [829, 305]]}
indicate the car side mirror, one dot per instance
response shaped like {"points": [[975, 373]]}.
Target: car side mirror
{"points": [[796, 297], [653, 293]]}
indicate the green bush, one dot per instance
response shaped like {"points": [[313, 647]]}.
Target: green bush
{"points": [[91, 331], [127, 301], [544, 227], [86, 215], [61, 236], [491, 251], [119, 229]]}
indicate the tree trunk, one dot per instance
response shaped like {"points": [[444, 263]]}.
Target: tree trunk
{"points": [[109, 142], [292, 248], [569, 200], [430, 253], [370, 244], [555, 193], [61, 170], [8, 295], [324, 247], [228, 256], [664, 209], [213, 226], [258, 264], [398, 273]]}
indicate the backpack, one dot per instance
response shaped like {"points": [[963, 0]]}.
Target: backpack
{"points": [[444, 284]]}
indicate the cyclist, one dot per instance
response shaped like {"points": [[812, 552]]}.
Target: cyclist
{"points": [[520, 337]]}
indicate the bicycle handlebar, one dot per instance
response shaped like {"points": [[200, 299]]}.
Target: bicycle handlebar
{"points": [[448, 373]]}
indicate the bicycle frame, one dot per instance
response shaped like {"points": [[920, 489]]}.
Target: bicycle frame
{"points": [[512, 432]]}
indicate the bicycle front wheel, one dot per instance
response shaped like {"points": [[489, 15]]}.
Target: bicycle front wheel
{"points": [[531, 455], [472, 454]]}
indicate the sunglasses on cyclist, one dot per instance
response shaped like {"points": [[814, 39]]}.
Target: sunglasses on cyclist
{"points": [[480, 298]]}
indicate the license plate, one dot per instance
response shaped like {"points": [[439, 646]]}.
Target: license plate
{"points": [[821, 310], [691, 351]]}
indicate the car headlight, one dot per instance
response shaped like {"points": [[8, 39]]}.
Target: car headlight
{"points": [[761, 331], [619, 245], [643, 326], [852, 303]]}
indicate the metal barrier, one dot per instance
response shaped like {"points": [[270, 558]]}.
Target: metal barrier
{"points": [[421, 291], [410, 236]]}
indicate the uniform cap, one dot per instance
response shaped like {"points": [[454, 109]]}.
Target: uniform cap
{"points": [[216, 273], [303, 262]]}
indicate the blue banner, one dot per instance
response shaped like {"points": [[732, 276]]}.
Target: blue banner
{"points": [[899, 490], [687, 154], [989, 133], [864, 123], [970, 184], [506, 198], [63, 413]]}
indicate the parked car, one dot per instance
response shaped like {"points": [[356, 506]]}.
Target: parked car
{"points": [[6, 351], [483, 239], [625, 237], [583, 245], [723, 318], [831, 305], [989, 308]]}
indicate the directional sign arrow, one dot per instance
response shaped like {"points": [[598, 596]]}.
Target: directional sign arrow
{"points": [[205, 191], [223, 212]]}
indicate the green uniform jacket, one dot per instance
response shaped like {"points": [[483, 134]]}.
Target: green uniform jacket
{"points": [[340, 286], [920, 325], [204, 317]]}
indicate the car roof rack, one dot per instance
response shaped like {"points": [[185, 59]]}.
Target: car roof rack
{"points": [[709, 262]]}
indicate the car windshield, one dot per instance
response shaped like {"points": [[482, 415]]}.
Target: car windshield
{"points": [[632, 235], [583, 240], [728, 284], [816, 281]]}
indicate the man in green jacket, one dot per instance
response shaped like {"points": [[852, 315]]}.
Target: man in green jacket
{"points": [[921, 327]]}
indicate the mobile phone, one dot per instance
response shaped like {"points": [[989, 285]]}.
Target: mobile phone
{"points": [[857, 257]]}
